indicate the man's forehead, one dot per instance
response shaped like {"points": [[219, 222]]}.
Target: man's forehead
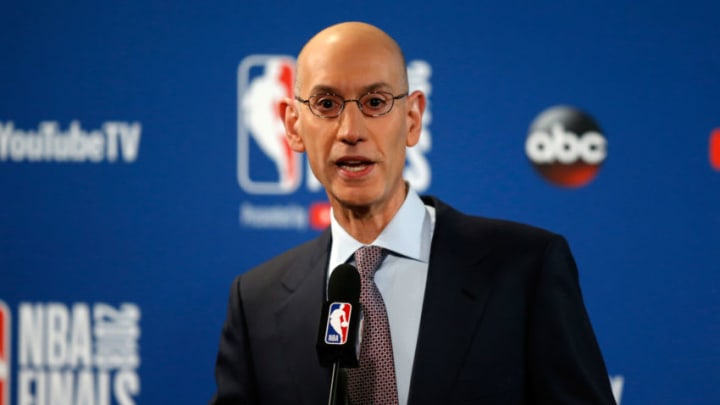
{"points": [[348, 83], [350, 54], [356, 72]]}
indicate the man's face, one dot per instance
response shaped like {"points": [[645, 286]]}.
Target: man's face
{"points": [[358, 159]]}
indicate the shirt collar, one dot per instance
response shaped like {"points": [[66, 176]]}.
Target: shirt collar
{"points": [[403, 235]]}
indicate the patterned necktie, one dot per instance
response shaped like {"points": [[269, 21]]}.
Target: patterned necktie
{"points": [[373, 383]]}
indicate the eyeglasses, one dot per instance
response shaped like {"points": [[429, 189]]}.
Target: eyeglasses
{"points": [[373, 104]]}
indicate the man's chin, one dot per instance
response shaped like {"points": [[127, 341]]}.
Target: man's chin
{"points": [[355, 198]]}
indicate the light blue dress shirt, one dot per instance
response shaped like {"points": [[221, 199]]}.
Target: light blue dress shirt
{"points": [[401, 277]]}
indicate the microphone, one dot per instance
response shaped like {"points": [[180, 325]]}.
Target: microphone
{"points": [[339, 334], [340, 330]]}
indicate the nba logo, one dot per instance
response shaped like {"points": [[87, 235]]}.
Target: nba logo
{"points": [[336, 332], [4, 354], [266, 164]]}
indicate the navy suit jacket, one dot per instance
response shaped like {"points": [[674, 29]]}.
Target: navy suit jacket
{"points": [[503, 322]]}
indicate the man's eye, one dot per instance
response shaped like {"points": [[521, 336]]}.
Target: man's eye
{"points": [[326, 103], [375, 102]]}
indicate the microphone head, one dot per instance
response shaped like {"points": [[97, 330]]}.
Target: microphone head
{"points": [[340, 329], [344, 284]]}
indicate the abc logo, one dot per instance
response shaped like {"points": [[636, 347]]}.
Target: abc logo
{"points": [[566, 146]]}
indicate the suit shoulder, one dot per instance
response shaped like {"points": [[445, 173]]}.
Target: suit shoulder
{"points": [[269, 273], [520, 231], [498, 231]]}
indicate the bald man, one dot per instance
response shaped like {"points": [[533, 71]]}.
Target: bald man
{"points": [[479, 310]]}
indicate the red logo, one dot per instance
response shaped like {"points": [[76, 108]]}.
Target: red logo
{"points": [[566, 146], [319, 215], [715, 149], [4, 354]]}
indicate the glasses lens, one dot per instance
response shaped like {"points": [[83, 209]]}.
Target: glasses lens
{"points": [[377, 103], [326, 105]]}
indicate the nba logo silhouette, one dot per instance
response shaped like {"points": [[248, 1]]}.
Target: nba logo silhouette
{"points": [[4, 354], [266, 164], [336, 332]]}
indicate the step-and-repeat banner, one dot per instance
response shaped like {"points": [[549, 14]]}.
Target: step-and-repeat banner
{"points": [[142, 167]]}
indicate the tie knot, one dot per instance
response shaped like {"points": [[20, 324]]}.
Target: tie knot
{"points": [[368, 259]]}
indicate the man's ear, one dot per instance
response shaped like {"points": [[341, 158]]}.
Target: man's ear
{"points": [[416, 109], [289, 115]]}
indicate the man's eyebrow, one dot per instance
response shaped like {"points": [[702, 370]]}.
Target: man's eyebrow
{"points": [[377, 86], [323, 89]]}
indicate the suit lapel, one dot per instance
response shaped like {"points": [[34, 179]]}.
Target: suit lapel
{"points": [[299, 314], [455, 295]]}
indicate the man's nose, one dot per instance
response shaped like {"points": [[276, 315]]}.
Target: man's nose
{"points": [[352, 123]]}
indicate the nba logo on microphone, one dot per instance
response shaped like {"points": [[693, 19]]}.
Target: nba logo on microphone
{"points": [[266, 164], [4, 354], [338, 324]]}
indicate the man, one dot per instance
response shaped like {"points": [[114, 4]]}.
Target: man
{"points": [[479, 310]]}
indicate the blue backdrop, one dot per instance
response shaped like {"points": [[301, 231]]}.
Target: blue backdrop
{"points": [[123, 143]]}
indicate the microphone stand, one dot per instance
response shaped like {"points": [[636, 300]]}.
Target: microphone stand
{"points": [[337, 391]]}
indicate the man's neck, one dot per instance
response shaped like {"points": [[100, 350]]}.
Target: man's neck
{"points": [[365, 223]]}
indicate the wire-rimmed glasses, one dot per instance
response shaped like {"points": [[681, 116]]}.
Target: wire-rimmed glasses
{"points": [[373, 104]]}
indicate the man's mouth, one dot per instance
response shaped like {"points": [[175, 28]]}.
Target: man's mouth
{"points": [[354, 165]]}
